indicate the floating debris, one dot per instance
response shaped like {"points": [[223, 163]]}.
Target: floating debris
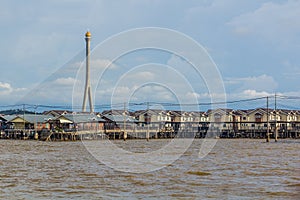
{"points": [[199, 173]]}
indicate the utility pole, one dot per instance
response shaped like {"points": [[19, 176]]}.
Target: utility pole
{"points": [[276, 130], [36, 135], [24, 117], [268, 125], [125, 133], [24, 125], [148, 122]]}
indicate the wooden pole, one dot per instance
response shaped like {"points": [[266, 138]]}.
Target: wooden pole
{"points": [[268, 125], [23, 132], [148, 122], [276, 130], [125, 134], [36, 136]]}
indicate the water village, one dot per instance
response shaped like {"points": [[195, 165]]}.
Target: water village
{"points": [[64, 125]]}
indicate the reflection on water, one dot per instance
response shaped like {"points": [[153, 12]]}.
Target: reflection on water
{"points": [[234, 169]]}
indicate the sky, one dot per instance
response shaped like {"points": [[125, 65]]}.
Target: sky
{"points": [[254, 45]]}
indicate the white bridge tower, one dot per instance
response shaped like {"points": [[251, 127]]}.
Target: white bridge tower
{"points": [[87, 90]]}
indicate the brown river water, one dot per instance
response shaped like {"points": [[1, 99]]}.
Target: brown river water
{"points": [[233, 169]]}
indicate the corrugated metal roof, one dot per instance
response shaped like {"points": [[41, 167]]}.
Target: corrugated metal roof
{"points": [[82, 118], [120, 118], [31, 118], [8, 117]]}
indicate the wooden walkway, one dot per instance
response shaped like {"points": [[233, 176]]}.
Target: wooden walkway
{"points": [[116, 134]]}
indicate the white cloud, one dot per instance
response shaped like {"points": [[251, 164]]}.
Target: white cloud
{"points": [[96, 63], [141, 93], [250, 93], [254, 94], [212, 97], [178, 62], [5, 87], [293, 94], [69, 81], [261, 83], [9, 93], [145, 93], [101, 64], [192, 95], [273, 21], [291, 70], [282, 102], [142, 76], [34, 39]]}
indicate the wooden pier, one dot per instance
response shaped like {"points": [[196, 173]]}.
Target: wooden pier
{"points": [[21, 134], [136, 132]]}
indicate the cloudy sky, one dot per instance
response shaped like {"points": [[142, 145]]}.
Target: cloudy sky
{"points": [[255, 45]]}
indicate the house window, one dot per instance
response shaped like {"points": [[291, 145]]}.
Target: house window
{"points": [[147, 118], [258, 117], [217, 117], [244, 118]]}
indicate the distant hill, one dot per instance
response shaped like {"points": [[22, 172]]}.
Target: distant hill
{"points": [[15, 112]]}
